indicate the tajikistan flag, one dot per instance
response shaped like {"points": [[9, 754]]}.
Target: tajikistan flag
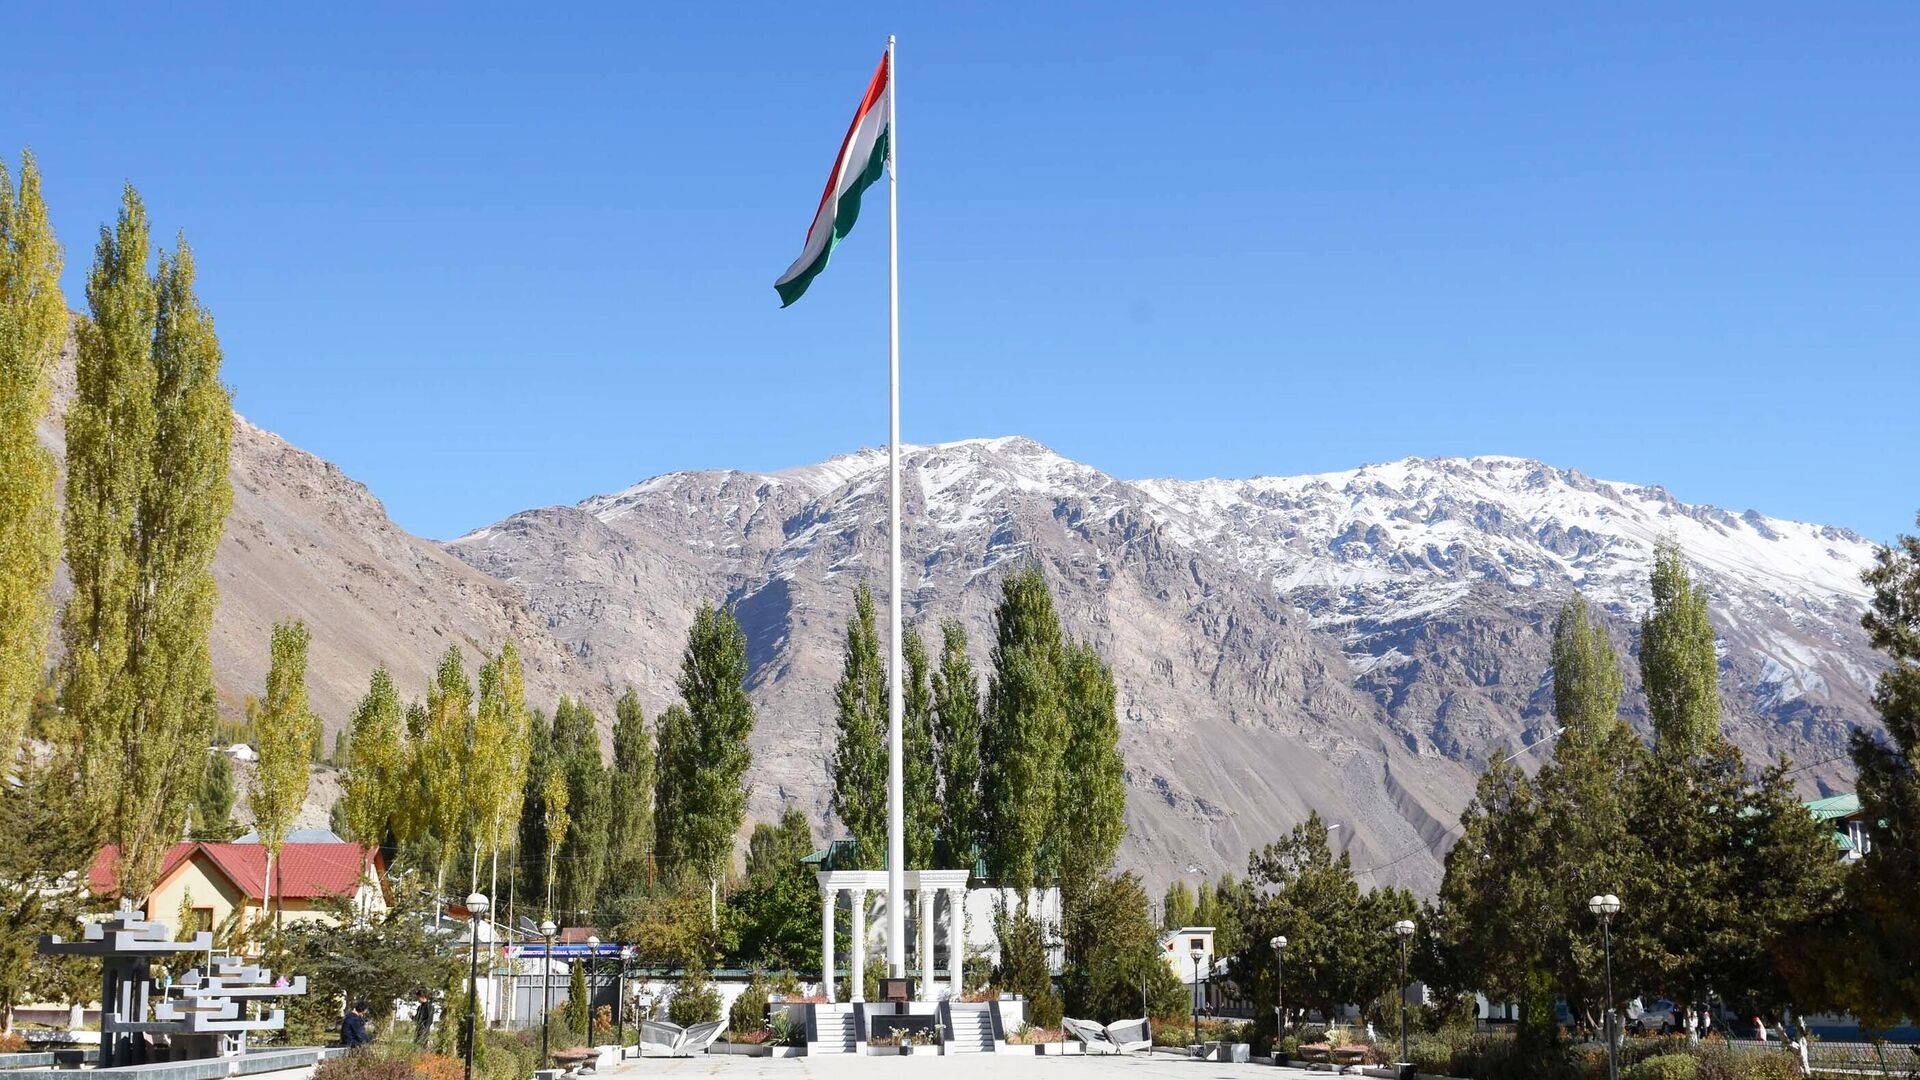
{"points": [[863, 155]]}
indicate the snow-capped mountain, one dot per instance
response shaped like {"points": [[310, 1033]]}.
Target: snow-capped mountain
{"points": [[1354, 642]]}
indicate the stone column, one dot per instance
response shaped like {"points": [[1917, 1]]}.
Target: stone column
{"points": [[857, 956], [924, 916], [828, 899], [957, 941]]}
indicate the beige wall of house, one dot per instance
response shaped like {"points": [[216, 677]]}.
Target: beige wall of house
{"points": [[215, 896]]}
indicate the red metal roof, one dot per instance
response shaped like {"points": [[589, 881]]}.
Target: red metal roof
{"points": [[303, 871]]}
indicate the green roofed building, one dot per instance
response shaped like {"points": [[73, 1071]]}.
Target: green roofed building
{"points": [[1849, 824]]}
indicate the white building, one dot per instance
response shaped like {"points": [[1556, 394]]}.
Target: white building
{"points": [[1177, 948]]}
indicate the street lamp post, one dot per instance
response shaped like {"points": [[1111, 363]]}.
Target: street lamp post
{"points": [[593, 983], [1403, 930], [477, 910], [1279, 944], [1197, 955], [619, 1003], [1606, 907], [546, 990]]}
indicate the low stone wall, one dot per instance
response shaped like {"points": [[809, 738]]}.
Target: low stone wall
{"points": [[289, 1064]]}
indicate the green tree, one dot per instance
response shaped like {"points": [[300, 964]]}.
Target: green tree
{"points": [[376, 762], [1884, 887], [442, 761], [33, 328], [1025, 735], [774, 850], [284, 726], [213, 808], [920, 816], [775, 916], [379, 956], [553, 808], [1586, 674], [956, 712], [859, 762], [583, 859], [704, 755], [579, 1009], [149, 433], [1678, 666], [1093, 796], [1337, 943], [1118, 971], [630, 844], [532, 841], [1178, 906]]}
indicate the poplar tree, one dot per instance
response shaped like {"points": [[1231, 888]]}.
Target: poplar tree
{"points": [[575, 748], [920, 814], [704, 754], [1093, 794], [532, 841], [1177, 907], [1678, 665], [284, 727], [956, 716], [33, 328], [630, 845], [443, 762], [1024, 736], [859, 762], [376, 762], [1586, 674], [498, 759], [553, 809]]}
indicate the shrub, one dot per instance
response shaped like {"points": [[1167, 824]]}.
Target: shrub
{"points": [[695, 1000], [749, 1011], [1665, 1067], [1044, 1009], [10, 1043], [1431, 1055], [1309, 1034]]}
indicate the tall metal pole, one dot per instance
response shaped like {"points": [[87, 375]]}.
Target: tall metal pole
{"points": [[896, 832], [1404, 1055], [546, 993], [1606, 937], [619, 1003]]}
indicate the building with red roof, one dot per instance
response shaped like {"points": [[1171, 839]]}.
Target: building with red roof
{"points": [[215, 880]]}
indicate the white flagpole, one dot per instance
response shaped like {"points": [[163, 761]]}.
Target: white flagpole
{"points": [[896, 834]]}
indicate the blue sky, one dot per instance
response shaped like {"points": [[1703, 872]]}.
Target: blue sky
{"points": [[487, 259]]}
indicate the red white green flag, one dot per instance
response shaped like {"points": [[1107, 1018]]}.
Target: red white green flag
{"points": [[863, 157]]}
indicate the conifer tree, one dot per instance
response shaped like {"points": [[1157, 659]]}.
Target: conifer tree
{"points": [[33, 328], [1024, 736], [920, 816], [956, 713], [1678, 665], [284, 726], [575, 748], [630, 846], [704, 755], [1093, 795], [213, 808], [859, 762], [376, 762]]}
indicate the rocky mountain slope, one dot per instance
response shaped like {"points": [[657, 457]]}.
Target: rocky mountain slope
{"points": [[1356, 643]]}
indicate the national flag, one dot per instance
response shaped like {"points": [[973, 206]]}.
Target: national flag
{"points": [[863, 156]]}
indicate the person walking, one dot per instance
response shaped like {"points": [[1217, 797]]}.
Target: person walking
{"points": [[422, 1018], [353, 1027], [1760, 1028]]}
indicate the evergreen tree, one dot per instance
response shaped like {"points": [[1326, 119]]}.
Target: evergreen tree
{"points": [[376, 763], [33, 328], [1884, 886], [776, 915], [1491, 872], [1093, 796], [213, 809], [704, 756], [575, 748], [920, 816], [1586, 675], [859, 763], [630, 844], [284, 725], [1177, 908], [579, 1009], [1024, 736], [149, 432], [956, 712], [1678, 665]]}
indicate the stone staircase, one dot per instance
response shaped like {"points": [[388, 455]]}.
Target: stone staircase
{"points": [[832, 1031], [972, 1028]]}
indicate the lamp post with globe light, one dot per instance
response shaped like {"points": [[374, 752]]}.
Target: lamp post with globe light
{"points": [[476, 911], [593, 984], [1279, 944], [1403, 930], [1605, 908], [546, 989], [1197, 955]]}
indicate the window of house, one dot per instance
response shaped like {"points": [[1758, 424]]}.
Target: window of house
{"points": [[1857, 833], [1199, 943]]}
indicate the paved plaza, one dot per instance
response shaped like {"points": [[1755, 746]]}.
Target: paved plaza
{"points": [[1000, 1066]]}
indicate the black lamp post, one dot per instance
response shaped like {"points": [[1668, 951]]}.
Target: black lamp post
{"points": [[1403, 930], [1279, 944], [1606, 907], [593, 983], [1197, 955], [619, 1003], [477, 910], [546, 990]]}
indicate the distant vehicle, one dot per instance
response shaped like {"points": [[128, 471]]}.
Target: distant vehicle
{"points": [[1654, 1016]]}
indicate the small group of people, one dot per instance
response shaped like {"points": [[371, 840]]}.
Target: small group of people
{"points": [[354, 1032]]}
